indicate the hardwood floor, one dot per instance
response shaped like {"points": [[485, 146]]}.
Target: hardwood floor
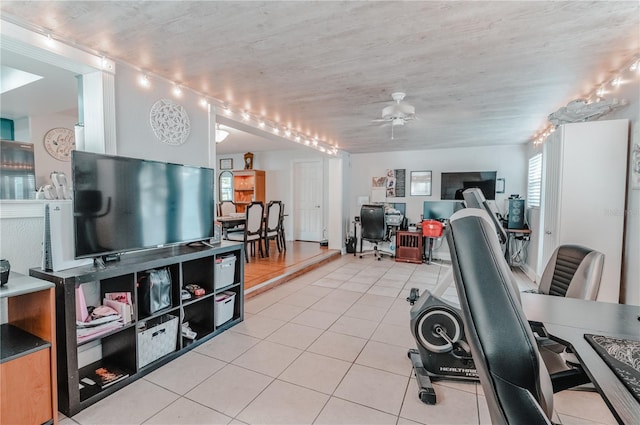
{"points": [[300, 257]]}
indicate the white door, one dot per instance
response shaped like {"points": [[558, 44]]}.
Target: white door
{"points": [[307, 201], [551, 197]]}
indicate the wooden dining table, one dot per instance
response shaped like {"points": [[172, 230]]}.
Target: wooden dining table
{"points": [[229, 222]]}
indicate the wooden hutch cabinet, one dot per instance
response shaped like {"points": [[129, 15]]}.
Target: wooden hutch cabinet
{"points": [[248, 186]]}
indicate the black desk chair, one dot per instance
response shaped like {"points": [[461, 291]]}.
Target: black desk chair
{"points": [[573, 271], [372, 228], [515, 380]]}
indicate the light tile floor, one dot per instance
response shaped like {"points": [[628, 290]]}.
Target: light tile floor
{"points": [[327, 348]]}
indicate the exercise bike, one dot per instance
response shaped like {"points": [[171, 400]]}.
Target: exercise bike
{"points": [[443, 352]]}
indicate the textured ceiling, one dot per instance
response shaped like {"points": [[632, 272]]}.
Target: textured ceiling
{"points": [[478, 73]]}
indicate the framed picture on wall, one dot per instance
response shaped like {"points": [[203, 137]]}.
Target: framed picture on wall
{"points": [[420, 183], [226, 164]]}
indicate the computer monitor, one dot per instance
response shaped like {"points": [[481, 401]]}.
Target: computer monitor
{"points": [[440, 210]]}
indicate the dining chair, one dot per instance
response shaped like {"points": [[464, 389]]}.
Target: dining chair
{"points": [[253, 230], [281, 237], [272, 225], [225, 208]]}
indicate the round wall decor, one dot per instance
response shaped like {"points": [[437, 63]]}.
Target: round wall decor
{"points": [[170, 122], [59, 142]]}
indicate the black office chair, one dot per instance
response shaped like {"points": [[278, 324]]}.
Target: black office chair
{"points": [[372, 228], [573, 271], [514, 378]]}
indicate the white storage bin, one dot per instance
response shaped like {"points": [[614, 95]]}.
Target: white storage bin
{"points": [[157, 340], [224, 272], [223, 307]]}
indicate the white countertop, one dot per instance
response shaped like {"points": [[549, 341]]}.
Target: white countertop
{"points": [[20, 284]]}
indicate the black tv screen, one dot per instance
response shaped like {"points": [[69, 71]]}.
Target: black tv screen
{"points": [[124, 204], [453, 184]]}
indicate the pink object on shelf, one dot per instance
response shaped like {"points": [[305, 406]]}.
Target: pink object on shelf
{"points": [[81, 305]]}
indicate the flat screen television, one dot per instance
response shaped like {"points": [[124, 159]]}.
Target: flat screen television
{"points": [[125, 204], [453, 184]]}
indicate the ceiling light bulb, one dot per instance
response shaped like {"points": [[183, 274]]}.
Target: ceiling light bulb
{"points": [[616, 82], [322, 149], [226, 109], [49, 40], [306, 142], [315, 142], [203, 102], [144, 81], [297, 139], [287, 132], [261, 124], [245, 116], [635, 66], [104, 63], [276, 130], [600, 92], [177, 91]]}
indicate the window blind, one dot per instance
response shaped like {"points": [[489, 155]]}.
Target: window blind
{"points": [[534, 181]]}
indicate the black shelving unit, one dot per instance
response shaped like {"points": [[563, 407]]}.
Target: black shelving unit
{"points": [[120, 348]]}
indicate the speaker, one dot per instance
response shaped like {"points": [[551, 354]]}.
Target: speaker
{"points": [[516, 214]]}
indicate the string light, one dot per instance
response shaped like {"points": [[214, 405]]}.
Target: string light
{"points": [[144, 81], [595, 96]]}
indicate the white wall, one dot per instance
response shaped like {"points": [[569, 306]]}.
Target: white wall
{"points": [[510, 162], [630, 287], [134, 135]]}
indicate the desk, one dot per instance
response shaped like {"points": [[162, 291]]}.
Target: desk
{"points": [[568, 319], [511, 234]]}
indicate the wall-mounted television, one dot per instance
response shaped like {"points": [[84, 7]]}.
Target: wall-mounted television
{"points": [[125, 204], [453, 184]]}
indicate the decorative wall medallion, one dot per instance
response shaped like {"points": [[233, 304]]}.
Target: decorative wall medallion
{"points": [[59, 142], [170, 122]]}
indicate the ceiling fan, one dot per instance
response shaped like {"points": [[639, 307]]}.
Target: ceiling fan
{"points": [[397, 113]]}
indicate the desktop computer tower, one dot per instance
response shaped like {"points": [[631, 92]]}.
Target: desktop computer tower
{"points": [[516, 213]]}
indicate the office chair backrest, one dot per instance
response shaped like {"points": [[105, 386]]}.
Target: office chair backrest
{"points": [[372, 222], [227, 207], [515, 381], [573, 271]]}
